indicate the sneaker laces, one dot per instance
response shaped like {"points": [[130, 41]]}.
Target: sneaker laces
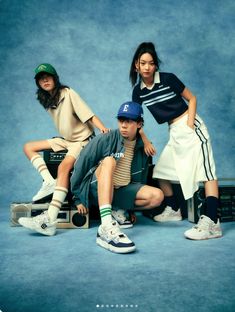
{"points": [[203, 223], [42, 218], [167, 211], [114, 230]]}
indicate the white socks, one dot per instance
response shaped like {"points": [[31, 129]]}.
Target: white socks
{"points": [[105, 214], [56, 202], [59, 194], [40, 165]]}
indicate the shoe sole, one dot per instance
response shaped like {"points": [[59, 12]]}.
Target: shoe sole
{"points": [[43, 199], [171, 220], [43, 232], [25, 225], [125, 226], [204, 238], [114, 249]]}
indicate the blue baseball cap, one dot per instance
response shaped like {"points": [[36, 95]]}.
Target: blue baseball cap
{"points": [[130, 110]]}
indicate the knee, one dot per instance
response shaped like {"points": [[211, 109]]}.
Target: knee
{"points": [[156, 198], [108, 163], [27, 148]]}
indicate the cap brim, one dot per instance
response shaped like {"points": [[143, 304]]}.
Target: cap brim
{"points": [[128, 116]]}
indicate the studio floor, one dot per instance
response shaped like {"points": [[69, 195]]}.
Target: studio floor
{"points": [[70, 273]]}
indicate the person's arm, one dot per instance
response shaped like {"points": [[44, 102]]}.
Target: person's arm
{"points": [[148, 146], [192, 106], [98, 124], [84, 112]]}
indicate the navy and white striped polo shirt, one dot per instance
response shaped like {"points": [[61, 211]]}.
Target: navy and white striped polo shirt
{"points": [[164, 99]]}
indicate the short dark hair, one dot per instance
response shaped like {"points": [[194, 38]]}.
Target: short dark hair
{"points": [[144, 47], [139, 119]]}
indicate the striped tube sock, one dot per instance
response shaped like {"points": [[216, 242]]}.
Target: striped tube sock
{"points": [[58, 198], [105, 214], [40, 165]]}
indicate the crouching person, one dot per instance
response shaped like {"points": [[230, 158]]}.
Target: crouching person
{"points": [[111, 172]]}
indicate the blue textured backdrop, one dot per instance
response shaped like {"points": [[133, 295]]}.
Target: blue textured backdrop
{"points": [[91, 44]]}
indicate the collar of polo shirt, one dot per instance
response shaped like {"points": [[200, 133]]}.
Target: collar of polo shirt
{"points": [[156, 80]]}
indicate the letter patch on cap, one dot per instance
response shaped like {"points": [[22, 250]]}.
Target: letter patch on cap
{"points": [[125, 109]]}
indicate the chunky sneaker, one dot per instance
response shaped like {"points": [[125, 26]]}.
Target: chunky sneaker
{"points": [[168, 215], [40, 224], [204, 229], [45, 191], [121, 219], [110, 237]]}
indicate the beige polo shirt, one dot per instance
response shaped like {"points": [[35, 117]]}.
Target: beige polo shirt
{"points": [[71, 116]]}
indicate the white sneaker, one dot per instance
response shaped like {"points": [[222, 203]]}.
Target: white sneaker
{"points": [[40, 224], [204, 229], [168, 215], [121, 219], [46, 190], [110, 237]]}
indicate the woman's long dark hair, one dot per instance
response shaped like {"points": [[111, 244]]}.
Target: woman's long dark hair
{"points": [[45, 98], [144, 47]]}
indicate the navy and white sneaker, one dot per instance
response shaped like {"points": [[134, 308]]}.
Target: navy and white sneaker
{"points": [[40, 224], [111, 238], [121, 219]]}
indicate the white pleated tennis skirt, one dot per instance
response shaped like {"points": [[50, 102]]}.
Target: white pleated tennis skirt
{"points": [[187, 158]]}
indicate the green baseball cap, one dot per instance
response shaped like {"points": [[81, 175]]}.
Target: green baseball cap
{"points": [[45, 68]]}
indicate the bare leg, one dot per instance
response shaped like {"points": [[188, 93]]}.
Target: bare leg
{"points": [[104, 175], [166, 187], [211, 188], [32, 149], [148, 197], [64, 170]]}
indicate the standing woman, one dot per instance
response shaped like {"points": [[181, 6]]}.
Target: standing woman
{"points": [[74, 121], [187, 157]]}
